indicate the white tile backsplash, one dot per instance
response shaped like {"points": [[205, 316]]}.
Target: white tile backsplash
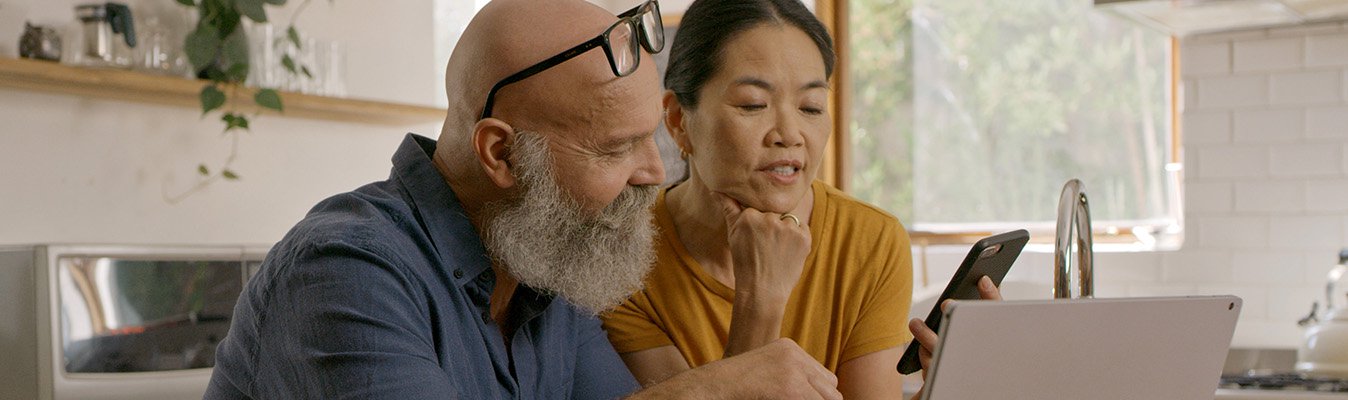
{"points": [[1266, 126], [1291, 303], [1345, 231], [1196, 266], [1233, 161], [1233, 232], [1128, 267], [1264, 333], [1306, 160], [1270, 196], [1312, 87], [1206, 58], [1327, 50], [1278, 267], [1105, 289], [1345, 86], [1318, 266], [1192, 163], [1208, 127], [1267, 54], [1188, 93], [1161, 290], [1327, 122], [1233, 91], [1327, 195], [1207, 198], [1313, 232]]}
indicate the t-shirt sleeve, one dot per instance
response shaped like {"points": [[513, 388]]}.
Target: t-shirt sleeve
{"points": [[882, 323], [344, 323], [632, 328], [599, 373]]}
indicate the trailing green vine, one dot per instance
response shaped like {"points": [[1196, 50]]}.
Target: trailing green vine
{"points": [[218, 51]]}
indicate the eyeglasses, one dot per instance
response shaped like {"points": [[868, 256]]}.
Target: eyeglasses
{"points": [[640, 26]]}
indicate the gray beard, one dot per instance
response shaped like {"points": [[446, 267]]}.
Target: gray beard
{"points": [[544, 239]]}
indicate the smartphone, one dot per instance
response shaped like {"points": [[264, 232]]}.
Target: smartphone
{"points": [[992, 257]]}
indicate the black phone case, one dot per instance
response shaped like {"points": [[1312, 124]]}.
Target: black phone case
{"points": [[964, 284]]}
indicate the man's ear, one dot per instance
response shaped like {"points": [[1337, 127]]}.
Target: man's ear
{"points": [[492, 139], [675, 124]]}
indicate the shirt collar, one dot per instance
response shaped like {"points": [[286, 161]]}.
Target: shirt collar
{"points": [[438, 210]]}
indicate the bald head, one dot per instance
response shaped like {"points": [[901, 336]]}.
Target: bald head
{"points": [[510, 35]]}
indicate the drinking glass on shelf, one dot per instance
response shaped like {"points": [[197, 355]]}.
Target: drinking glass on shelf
{"points": [[162, 26], [334, 70], [303, 59], [315, 55], [263, 59]]}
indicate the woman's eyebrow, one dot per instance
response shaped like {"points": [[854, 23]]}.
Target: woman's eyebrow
{"points": [[752, 81], [756, 82]]}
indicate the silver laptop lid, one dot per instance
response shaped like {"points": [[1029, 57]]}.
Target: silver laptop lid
{"points": [[1131, 348]]}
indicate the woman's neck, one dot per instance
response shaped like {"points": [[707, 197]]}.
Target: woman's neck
{"points": [[700, 224]]}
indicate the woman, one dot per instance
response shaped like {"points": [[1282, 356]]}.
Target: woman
{"points": [[752, 248]]}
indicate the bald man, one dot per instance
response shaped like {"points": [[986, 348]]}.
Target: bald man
{"points": [[477, 269]]}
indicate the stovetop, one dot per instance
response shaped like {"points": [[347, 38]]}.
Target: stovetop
{"points": [[1284, 382]]}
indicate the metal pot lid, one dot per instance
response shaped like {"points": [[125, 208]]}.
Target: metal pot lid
{"points": [[91, 12]]}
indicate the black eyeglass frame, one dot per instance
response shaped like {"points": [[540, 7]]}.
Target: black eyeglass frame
{"points": [[631, 17]]}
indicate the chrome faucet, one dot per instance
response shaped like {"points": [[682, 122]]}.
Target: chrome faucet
{"points": [[1074, 224]]}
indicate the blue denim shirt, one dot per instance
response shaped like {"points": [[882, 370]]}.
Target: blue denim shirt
{"points": [[381, 293]]}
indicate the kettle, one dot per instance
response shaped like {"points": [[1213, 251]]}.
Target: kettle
{"points": [[1324, 348], [102, 23]]}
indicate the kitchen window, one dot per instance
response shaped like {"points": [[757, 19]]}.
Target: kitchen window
{"points": [[964, 117]]}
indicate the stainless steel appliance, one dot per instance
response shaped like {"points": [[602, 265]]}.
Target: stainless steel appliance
{"points": [[116, 322]]}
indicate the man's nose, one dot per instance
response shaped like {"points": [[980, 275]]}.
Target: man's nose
{"points": [[649, 170]]}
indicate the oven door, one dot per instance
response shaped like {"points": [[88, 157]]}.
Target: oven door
{"points": [[137, 315], [134, 322]]}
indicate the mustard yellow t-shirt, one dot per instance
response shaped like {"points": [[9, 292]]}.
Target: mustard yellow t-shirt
{"points": [[852, 298]]}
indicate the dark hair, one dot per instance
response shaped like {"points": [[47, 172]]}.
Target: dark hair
{"points": [[709, 24]]}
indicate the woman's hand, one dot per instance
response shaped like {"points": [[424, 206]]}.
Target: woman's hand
{"points": [[928, 339], [768, 252]]}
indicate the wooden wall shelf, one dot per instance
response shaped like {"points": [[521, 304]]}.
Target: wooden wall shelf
{"points": [[129, 85]]}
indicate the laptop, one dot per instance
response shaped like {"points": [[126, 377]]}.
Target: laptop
{"points": [[1129, 348]]}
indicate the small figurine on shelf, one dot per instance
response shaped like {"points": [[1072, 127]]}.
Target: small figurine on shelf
{"points": [[40, 42]]}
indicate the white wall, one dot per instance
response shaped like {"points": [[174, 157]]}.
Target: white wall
{"points": [[1265, 120], [82, 170]]}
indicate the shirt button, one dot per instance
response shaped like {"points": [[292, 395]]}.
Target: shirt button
{"points": [[458, 273]]}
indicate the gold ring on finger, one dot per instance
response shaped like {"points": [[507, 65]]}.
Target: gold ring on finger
{"points": [[791, 217]]}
